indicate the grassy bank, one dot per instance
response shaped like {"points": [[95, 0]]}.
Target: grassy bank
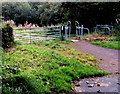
{"points": [[40, 68], [108, 44]]}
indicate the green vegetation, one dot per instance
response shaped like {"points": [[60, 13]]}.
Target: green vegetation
{"points": [[67, 52], [50, 66], [107, 41], [33, 69], [108, 44], [50, 43]]}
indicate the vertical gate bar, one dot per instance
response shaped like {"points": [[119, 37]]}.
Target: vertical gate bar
{"points": [[76, 31], [79, 31], [30, 36], [81, 35], [69, 31], [66, 31], [60, 31]]}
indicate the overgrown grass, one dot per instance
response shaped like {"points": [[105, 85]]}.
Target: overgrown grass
{"points": [[31, 69], [108, 44]]}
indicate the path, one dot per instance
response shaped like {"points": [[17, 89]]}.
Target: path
{"points": [[108, 62], [98, 84], [108, 57]]}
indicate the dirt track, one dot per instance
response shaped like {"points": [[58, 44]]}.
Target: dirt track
{"points": [[108, 57]]}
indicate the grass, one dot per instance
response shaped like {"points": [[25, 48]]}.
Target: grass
{"points": [[108, 44], [33, 69], [67, 52]]}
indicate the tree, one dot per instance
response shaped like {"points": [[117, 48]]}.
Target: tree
{"points": [[47, 13], [17, 11]]}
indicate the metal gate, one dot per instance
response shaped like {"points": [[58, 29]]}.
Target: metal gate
{"points": [[36, 33], [79, 30]]}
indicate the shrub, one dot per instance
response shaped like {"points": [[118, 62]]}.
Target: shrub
{"points": [[7, 36]]}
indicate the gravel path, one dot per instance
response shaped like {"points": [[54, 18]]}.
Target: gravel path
{"points": [[108, 57]]}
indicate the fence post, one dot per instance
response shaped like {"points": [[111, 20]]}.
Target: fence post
{"points": [[76, 31], [69, 31], [61, 32], [66, 33], [81, 35]]}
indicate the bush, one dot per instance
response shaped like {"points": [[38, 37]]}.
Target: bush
{"points": [[7, 36]]}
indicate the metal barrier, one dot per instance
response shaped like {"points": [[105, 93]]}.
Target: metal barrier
{"points": [[80, 30], [37, 33], [108, 27], [68, 30]]}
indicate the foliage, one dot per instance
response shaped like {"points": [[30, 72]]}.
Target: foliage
{"points": [[16, 11], [48, 13], [31, 69]]}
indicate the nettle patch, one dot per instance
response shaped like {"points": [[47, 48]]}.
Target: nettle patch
{"points": [[30, 69]]}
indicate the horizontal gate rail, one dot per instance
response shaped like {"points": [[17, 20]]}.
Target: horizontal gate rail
{"points": [[36, 31], [49, 32], [34, 28]]}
